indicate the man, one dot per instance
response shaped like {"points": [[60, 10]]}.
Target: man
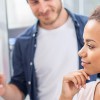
{"points": [[45, 53]]}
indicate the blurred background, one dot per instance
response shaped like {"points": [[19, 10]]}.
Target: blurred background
{"points": [[16, 16]]}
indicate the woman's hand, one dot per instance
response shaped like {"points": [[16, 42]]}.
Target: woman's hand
{"points": [[72, 84]]}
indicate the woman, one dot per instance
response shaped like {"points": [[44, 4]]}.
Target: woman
{"points": [[75, 83]]}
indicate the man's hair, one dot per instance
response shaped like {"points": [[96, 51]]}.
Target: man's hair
{"points": [[96, 14]]}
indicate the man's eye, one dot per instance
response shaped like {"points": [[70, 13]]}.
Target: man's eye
{"points": [[34, 2]]}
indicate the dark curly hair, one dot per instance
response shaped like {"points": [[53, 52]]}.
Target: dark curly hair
{"points": [[96, 14]]}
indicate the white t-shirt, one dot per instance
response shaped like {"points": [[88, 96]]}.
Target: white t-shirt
{"points": [[55, 56]]}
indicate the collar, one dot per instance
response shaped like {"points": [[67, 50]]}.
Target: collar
{"points": [[72, 15]]}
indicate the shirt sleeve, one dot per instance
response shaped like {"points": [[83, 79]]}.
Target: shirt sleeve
{"points": [[18, 78]]}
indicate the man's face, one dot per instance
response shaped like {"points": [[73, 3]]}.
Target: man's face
{"points": [[47, 11]]}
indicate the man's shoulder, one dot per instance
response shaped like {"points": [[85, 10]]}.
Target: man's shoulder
{"points": [[26, 35], [81, 18], [27, 32]]}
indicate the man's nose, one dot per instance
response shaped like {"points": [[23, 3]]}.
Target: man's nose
{"points": [[42, 7]]}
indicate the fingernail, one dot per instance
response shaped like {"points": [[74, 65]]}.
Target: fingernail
{"points": [[88, 78]]}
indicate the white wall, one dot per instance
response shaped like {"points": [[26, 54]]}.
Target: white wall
{"points": [[19, 14]]}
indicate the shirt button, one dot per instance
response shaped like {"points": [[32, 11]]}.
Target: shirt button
{"points": [[34, 45], [31, 63], [33, 35], [78, 24], [29, 82]]}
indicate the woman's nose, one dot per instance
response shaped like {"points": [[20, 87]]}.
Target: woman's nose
{"points": [[82, 53]]}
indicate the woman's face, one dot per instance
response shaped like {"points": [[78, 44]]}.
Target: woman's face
{"points": [[90, 53]]}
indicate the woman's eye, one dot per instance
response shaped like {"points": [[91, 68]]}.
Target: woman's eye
{"points": [[90, 47]]}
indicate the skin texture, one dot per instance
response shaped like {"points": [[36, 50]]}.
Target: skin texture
{"points": [[2, 84], [90, 53], [72, 84], [90, 60], [49, 12], [9, 91]]}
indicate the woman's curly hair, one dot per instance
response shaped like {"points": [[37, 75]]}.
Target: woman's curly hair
{"points": [[96, 14]]}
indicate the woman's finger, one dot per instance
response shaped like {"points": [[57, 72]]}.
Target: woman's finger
{"points": [[84, 73]]}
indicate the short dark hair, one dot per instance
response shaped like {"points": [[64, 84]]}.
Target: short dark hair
{"points": [[96, 14]]}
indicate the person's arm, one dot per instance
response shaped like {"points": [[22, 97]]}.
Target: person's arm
{"points": [[9, 91], [12, 93], [18, 79]]}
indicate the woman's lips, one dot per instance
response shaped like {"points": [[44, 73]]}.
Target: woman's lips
{"points": [[83, 63]]}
